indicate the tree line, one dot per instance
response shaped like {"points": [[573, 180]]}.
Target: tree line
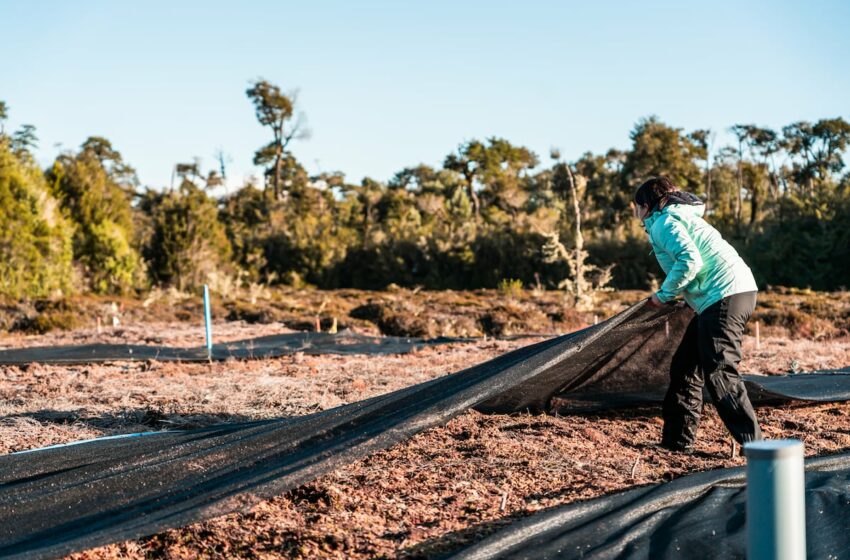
{"points": [[492, 211]]}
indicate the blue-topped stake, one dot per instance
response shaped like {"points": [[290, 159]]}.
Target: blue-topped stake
{"points": [[207, 321]]}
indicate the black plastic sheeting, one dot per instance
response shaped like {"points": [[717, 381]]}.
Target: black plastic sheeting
{"points": [[68, 498], [696, 516], [253, 348]]}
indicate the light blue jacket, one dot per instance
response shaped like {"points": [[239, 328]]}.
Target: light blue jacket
{"points": [[700, 265]]}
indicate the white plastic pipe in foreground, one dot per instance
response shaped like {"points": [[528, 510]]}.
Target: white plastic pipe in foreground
{"points": [[776, 501]]}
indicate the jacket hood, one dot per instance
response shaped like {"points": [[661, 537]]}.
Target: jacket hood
{"points": [[685, 205]]}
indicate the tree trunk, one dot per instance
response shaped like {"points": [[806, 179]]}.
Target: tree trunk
{"points": [[754, 205], [579, 251], [473, 196], [772, 183], [739, 202], [367, 223], [278, 157], [276, 178]]}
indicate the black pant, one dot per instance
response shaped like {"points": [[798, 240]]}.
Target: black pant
{"points": [[708, 356]]}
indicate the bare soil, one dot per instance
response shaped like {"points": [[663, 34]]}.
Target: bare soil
{"points": [[442, 489]]}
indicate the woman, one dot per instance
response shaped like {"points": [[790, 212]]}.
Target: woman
{"points": [[713, 279]]}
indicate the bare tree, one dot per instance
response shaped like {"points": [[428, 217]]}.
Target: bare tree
{"points": [[579, 254], [222, 159]]}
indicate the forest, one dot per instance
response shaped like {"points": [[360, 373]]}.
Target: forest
{"points": [[493, 213]]}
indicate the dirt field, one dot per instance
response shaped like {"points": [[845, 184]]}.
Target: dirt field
{"points": [[443, 488]]}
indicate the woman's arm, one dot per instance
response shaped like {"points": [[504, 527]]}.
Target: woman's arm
{"points": [[674, 240]]}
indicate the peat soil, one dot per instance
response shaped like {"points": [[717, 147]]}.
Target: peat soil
{"points": [[782, 312], [442, 489]]}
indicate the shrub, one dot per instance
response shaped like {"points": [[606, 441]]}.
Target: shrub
{"points": [[35, 240], [46, 316], [187, 242], [510, 288], [94, 189]]}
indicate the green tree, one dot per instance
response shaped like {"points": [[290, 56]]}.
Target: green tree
{"points": [[817, 149], [831, 139], [246, 216], [741, 132], [192, 172], [496, 169], [702, 139], [187, 242], [35, 239], [95, 187], [504, 175], [659, 149], [4, 114], [24, 140], [276, 110], [467, 162], [606, 202], [755, 176]]}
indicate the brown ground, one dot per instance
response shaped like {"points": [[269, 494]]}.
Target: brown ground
{"points": [[443, 488], [781, 312]]}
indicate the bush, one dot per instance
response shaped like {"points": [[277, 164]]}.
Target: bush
{"points": [[48, 315], [187, 242], [809, 246], [95, 196], [35, 240]]}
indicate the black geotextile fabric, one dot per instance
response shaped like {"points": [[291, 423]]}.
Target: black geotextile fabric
{"points": [[693, 517], [68, 498], [272, 346]]}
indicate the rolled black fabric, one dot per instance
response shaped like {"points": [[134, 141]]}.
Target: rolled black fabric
{"points": [[271, 346], [696, 516], [68, 498]]}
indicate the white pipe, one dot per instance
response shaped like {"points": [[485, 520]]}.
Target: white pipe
{"points": [[776, 502], [208, 321]]}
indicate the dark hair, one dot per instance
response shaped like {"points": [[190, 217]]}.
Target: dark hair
{"points": [[653, 191]]}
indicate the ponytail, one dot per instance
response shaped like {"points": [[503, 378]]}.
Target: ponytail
{"points": [[653, 191]]}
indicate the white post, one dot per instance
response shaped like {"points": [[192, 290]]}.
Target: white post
{"points": [[208, 321], [776, 501]]}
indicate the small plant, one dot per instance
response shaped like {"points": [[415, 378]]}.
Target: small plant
{"points": [[510, 287], [256, 291], [223, 284]]}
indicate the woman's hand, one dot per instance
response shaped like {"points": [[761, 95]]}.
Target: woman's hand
{"points": [[654, 301]]}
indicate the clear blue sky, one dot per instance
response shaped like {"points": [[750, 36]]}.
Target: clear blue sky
{"points": [[387, 84]]}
